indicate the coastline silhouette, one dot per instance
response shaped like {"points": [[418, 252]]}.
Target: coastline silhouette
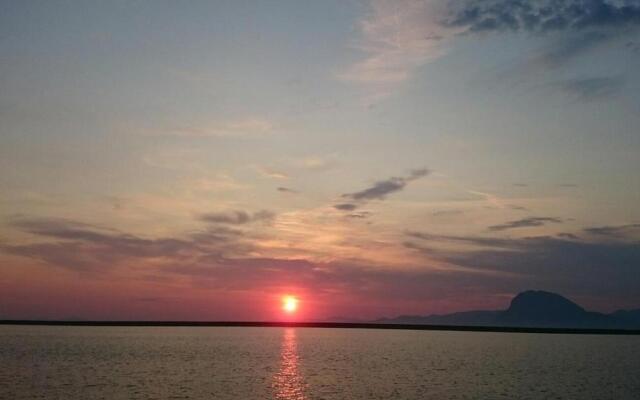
{"points": [[529, 312]]}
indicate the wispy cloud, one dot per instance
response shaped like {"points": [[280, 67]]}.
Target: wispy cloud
{"points": [[87, 248], [569, 46], [447, 213], [250, 126], [236, 217], [359, 215], [491, 198], [214, 183], [397, 37], [633, 46], [590, 89], [615, 231], [172, 158], [283, 189], [525, 223], [271, 173], [315, 162]]}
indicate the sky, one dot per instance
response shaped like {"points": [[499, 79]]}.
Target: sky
{"points": [[199, 160]]}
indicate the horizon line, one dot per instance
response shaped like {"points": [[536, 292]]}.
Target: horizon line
{"points": [[335, 325]]}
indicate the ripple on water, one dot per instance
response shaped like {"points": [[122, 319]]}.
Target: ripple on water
{"points": [[273, 363]]}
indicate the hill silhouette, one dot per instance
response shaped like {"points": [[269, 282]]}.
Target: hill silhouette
{"points": [[532, 309]]}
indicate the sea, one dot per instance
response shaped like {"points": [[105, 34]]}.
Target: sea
{"points": [[73, 362]]}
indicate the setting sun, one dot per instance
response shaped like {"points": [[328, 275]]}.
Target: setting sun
{"points": [[289, 304]]}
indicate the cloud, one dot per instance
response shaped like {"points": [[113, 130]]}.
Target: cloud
{"points": [[567, 235], [237, 217], [359, 215], [590, 89], [217, 258], [633, 46], [492, 199], [614, 231], [380, 190], [471, 240], [315, 162], [223, 257], [175, 158], [525, 223], [567, 264], [88, 248], [251, 126], [271, 173], [397, 37], [383, 188], [569, 46], [346, 206], [446, 213], [219, 182], [541, 16], [573, 27], [400, 36], [329, 279]]}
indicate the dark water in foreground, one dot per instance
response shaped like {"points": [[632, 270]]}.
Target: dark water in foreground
{"points": [[310, 363]]}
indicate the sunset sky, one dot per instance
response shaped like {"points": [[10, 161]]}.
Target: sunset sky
{"points": [[200, 160]]}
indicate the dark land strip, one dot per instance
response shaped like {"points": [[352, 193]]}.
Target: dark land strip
{"points": [[341, 325]]}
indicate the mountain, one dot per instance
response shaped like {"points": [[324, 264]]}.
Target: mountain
{"points": [[540, 308], [631, 317], [532, 308], [468, 318]]}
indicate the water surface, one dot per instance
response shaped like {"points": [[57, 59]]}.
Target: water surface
{"points": [[70, 363]]}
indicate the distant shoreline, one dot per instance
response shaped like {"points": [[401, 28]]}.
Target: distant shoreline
{"points": [[341, 325]]}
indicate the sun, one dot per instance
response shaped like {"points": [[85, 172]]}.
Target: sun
{"points": [[290, 304]]}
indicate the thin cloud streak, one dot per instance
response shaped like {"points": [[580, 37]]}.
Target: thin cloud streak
{"points": [[271, 173], [283, 189], [525, 223], [590, 89], [380, 190], [615, 231], [237, 128], [236, 217]]}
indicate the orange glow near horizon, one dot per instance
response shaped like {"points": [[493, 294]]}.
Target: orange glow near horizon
{"points": [[290, 304]]}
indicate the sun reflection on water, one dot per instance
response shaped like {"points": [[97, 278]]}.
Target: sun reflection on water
{"points": [[288, 382]]}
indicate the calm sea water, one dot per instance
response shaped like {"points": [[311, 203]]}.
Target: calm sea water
{"points": [[306, 363]]}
